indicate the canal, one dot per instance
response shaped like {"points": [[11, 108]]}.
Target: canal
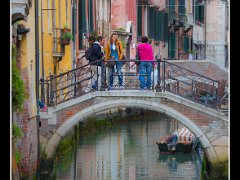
{"points": [[126, 150]]}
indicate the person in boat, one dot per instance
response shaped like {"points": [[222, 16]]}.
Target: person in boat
{"points": [[172, 140]]}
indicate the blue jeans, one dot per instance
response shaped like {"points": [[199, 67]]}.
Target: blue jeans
{"points": [[145, 68], [173, 139], [119, 71]]}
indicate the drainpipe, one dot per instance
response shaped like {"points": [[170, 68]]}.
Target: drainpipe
{"points": [[205, 30], [42, 40], [37, 83]]}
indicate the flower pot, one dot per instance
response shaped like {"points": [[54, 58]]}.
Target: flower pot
{"points": [[65, 41], [66, 30]]}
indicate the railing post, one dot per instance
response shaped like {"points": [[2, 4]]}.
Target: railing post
{"points": [[158, 86], [42, 90], [103, 77], [164, 71], [51, 91], [47, 102], [75, 87], [97, 76]]}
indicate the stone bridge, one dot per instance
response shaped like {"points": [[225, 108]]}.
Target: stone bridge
{"points": [[210, 126]]}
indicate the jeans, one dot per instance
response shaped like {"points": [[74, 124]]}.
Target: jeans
{"points": [[173, 139], [119, 72], [145, 68], [96, 79]]}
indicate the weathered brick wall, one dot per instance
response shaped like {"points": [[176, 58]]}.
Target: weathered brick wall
{"points": [[28, 146], [204, 68], [66, 113]]}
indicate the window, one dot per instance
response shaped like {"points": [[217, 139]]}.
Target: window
{"points": [[199, 12], [165, 27], [152, 17], [186, 44], [85, 20], [181, 9], [139, 21], [171, 49]]}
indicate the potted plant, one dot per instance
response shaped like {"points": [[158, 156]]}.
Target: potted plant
{"points": [[66, 38], [92, 37]]}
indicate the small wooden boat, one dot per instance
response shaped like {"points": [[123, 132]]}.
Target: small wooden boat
{"points": [[184, 143]]}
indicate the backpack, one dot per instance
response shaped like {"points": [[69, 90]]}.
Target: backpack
{"points": [[88, 53]]}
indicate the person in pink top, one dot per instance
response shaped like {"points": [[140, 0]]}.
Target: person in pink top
{"points": [[146, 57]]}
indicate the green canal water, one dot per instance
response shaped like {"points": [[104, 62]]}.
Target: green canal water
{"points": [[126, 150]]}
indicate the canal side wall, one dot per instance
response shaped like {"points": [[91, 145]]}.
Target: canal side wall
{"points": [[28, 145]]}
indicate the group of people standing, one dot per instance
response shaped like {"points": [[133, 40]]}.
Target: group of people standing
{"points": [[115, 53]]}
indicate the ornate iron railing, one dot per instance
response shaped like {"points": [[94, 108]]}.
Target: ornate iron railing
{"points": [[165, 76]]}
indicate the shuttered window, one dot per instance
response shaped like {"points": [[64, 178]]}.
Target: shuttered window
{"points": [[82, 22], [196, 11], [85, 25], [90, 15], [165, 27], [159, 25], [151, 21], [199, 12], [181, 9], [139, 22], [171, 48], [186, 44], [171, 10]]}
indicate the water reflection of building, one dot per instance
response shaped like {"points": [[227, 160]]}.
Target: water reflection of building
{"points": [[130, 152]]}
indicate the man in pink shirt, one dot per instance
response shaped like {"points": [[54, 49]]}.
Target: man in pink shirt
{"points": [[146, 58]]}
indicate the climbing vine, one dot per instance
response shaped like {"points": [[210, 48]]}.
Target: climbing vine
{"points": [[18, 91], [16, 132]]}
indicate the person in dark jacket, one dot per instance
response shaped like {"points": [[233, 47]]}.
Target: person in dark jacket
{"points": [[95, 62]]}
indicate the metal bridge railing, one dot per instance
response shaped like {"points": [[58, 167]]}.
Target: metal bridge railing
{"points": [[165, 76]]}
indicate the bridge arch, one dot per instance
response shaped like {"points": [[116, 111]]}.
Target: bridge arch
{"points": [[139, 103]]}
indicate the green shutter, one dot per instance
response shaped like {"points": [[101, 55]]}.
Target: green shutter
{"points": [[90, 15], [151, 22], [139, 21], [158, 25], [196, 11], [201, 13], [181, 9], [171, 47], [172, 5], [171, 10], [82, 22], [186, 44], [165, 27]]}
